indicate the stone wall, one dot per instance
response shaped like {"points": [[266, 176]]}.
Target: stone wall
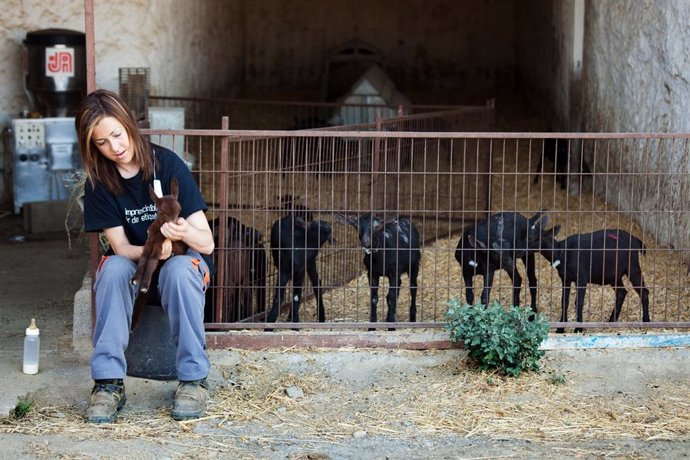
{"points": [[637, 79], [637, 69]]}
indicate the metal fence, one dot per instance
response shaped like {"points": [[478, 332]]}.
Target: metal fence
{"points": [[206, 113], [442, 181]]}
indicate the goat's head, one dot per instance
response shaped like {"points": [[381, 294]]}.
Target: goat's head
{"points": [[167, 206], [498, 247], [323, 231], [367, 225], [544, 241]]}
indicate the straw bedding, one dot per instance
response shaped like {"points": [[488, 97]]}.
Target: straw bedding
{"points": [[664, 269], [399, 400]]}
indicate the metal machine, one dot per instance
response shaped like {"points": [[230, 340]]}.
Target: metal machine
{"points": [[44, 155], [44, 151]]}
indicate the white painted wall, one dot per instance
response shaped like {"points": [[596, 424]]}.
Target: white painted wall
{"points": [[185, 43], [174, 38]]}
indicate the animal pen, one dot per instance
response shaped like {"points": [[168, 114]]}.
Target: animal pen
{"points": [[444, 169]]}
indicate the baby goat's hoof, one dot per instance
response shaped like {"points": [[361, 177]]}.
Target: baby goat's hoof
{"points": [[134, 282], [144, 290]]}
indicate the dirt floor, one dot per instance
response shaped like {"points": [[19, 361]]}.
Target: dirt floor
{"points": [[319, 404]]}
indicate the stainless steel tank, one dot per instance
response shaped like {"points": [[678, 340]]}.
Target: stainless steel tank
{"points": [[55, 78]]}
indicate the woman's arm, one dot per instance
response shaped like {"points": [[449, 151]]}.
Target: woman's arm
{"points": [[120, 244], [193, 230]]}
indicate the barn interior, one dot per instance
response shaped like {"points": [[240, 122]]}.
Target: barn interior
{"points": [[525, 55], [522, 58]]}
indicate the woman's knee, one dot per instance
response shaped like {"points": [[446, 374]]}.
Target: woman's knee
{"points": [[116, 269], [181, 269]]}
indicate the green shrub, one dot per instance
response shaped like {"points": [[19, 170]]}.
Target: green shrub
{"points": [[498, 338], [25, 404]]}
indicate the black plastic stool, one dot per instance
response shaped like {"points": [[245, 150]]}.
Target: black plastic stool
{"points": [[151, 352]]}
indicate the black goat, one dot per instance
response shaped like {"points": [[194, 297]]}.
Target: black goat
{"points": [[238, 236], [294, 248], [558, 151], [391, 249], [495, 243], [602, 257]]}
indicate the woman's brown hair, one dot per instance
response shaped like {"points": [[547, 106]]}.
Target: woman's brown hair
{"points": [[92, 109]]}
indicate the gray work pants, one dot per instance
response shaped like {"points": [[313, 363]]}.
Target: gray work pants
{"points": [[181, 284]]}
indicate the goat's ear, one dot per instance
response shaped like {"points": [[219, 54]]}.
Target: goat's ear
{"points": [[174, 188], [539, 219], [343, 219], [376, 224], [554, 231], [153, 195], [474, 242]]}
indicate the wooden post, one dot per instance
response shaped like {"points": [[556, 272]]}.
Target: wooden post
{"points": [[222, 223]]}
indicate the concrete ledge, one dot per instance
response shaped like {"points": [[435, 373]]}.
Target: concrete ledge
{"points": [[561, 342], [422, 340], [81, 317]]}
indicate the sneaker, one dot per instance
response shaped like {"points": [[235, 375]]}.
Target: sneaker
{"points": [[190, 400], [107, 398]]}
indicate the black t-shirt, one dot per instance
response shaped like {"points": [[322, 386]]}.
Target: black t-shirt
{"points": [[133, 209]]}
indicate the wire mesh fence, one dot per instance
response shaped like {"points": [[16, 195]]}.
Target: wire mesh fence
{"points": [[443, 183]]}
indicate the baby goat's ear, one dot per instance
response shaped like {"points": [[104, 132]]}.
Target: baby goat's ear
{"points": [[474, 242], [538, 220], [153, 195], [554, 231], [174, 187]]}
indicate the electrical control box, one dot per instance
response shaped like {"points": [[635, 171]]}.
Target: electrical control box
{"points": [[44, 156]]}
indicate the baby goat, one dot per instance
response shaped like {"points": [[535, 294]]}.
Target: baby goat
{"points": [[602, 257], [294, 248], [495, 243], [560, 152], [168, 210], [391, 249], [242, 251]]}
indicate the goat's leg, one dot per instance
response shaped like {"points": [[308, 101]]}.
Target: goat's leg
{"points": [[297, 287], [488, 282], [469, 290], [539, 169], [316, 285], [517, 284], [621, 292], [141, 268], [532, 281], [580, 303], [414, 271], [247, 298], [637, 281], [151, 266], [283, 279], [392, 298], [139, 305], [565, 300], [374, 284], [259, 279]]}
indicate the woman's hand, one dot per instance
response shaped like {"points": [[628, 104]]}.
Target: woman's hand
{"points": [[175, 231], [166, 249], [193, 230]]}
